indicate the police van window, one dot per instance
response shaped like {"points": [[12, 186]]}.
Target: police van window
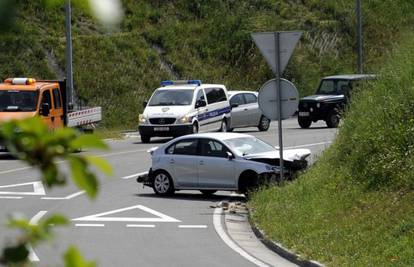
{"points": [[250, 98], [171, 97], [46, 98], [215, 95], [183, 147], [56, 98], [237, 100]]}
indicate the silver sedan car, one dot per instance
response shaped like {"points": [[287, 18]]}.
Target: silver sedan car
{"points": [[245, 111], [216, 161]]}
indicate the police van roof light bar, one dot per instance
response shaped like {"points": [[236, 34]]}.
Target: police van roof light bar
{"points": [[170, 82]]}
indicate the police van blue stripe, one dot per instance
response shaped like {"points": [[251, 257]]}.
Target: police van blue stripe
{"points": [[213, 113]]}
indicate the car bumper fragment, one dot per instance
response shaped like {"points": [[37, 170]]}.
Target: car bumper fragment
{"points": [[165, 131], [145, 179]]}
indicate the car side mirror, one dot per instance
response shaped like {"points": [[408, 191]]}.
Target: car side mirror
{"points": [[200, 103], [230, 156], [234, 105], [45, 109], [144, 104]]}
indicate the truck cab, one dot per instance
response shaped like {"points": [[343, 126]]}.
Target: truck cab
{"points": [[25, 97], [329, 100]]}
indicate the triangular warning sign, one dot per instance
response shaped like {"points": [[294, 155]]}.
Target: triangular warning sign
{"points": [[38, 189], [160, 217]]}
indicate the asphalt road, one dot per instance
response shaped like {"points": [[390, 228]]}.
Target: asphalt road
{"points": [[128, 225]]}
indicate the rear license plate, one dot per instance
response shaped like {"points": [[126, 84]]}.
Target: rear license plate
{"points": [[303, 114], [161, 129]]}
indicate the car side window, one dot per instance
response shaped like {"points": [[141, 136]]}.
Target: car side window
{"points": [[183, 147], [46, 98], [56, 98], [200, 95], [250, 98], [211, 148], [215, 95], [237, 100]]}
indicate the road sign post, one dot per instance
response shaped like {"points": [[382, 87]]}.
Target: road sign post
{"points": [[277, 47]]}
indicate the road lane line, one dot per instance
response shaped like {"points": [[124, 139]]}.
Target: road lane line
{"points": [[134, 175], [37, 217], [5, 197], [140, 225], [34, 221], [89, 225], [15, 170], [229, 242], [67, 197], [310, 145], [193, 226]]}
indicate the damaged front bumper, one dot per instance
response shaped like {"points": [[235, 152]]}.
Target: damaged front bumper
{"points": [[146, 179]]}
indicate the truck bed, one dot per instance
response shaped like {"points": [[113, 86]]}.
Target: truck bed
{"points": [[84, 117]]}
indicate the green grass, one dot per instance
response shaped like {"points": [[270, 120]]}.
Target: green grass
{"points": [[208, 40], [355, 206]]}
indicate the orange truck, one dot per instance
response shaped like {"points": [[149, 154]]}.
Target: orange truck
{"points": [[25, 97]]}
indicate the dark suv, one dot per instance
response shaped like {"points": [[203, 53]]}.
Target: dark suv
{"points": [[329, 100]]}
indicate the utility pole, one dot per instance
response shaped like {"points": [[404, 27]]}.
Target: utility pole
{"points": [[359, 32], [69, 73]]}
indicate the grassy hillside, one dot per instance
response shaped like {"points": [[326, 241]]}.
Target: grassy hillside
{"points": [[355, 206], [208, 40]]}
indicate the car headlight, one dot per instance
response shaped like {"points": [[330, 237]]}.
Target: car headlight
{"points": [[185, 119], [271, 168], [142, 119]]}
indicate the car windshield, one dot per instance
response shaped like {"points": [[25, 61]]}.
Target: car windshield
{"points": [[171, 97], [248, 145], [15, 100]]}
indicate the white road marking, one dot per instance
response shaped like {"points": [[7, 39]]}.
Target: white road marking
{"points": [[193, 226], [134, 175], [89, 225], [34, 221], [6, 197], [37, 217], [229, 242], [32, 255], [310, 145], [15, 170], [141, 225], [98, 217], [65, 198], [38, 189]]}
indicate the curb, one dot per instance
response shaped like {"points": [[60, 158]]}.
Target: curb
{"points": [[282, 251]]}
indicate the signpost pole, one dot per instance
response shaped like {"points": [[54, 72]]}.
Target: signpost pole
{"points": [[69, 73], [279, 103]]}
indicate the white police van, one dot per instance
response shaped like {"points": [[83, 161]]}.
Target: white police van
{"points": [[184, 107]]}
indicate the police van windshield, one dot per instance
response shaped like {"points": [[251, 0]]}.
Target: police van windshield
{"points": [[170, 97], [15, 100], [333, 87]]}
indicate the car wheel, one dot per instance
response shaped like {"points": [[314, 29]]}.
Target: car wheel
{"points": [[208, 192], [304, 123], [223, 127], [163, 184], [264, 124], [145, 139], [195, 128], [332, 121]]}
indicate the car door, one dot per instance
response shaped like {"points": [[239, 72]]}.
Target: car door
{"points": [[46, 102], [252, 111], [215, 169], [182, 159], [57, 111], [237, 102], [201, 111]]}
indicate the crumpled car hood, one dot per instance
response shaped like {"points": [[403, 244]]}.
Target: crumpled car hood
{"points": [[288, 154]]}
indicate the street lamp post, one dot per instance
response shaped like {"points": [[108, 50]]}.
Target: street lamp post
{"points": [[359, 32], [69, 73]]}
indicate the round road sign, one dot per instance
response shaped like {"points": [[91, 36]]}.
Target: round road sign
{"points": [[268, 102]]}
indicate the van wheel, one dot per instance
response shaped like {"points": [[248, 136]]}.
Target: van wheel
{"points": [[163, 184], [145, 139], [304, 123], [332, 121], [224, 126], [264, 124], [194, 130]]}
